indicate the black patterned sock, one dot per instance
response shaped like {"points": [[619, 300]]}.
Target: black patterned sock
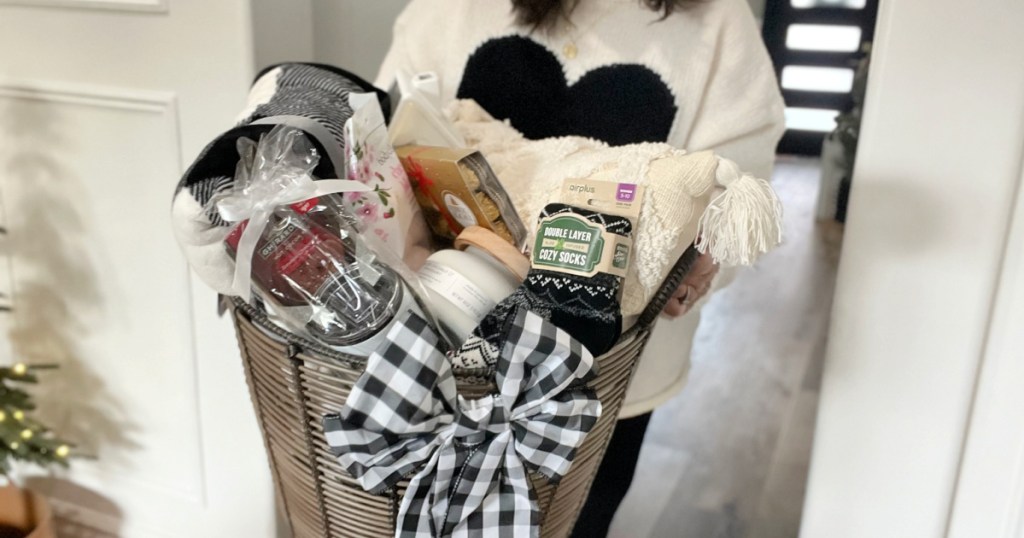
{"points": [[585, 307]]}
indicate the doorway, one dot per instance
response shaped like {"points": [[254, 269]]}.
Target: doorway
{"points": [[816, 46]]}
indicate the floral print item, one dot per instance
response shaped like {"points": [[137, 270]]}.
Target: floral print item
{"points": [[390, 211]]}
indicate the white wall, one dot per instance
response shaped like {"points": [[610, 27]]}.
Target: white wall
{"points": [[103, 103], [282, 31], [757, 6], [354, 34], [926, 240]]}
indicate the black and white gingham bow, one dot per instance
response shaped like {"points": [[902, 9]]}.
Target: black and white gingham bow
{"points": [[473, 455]]}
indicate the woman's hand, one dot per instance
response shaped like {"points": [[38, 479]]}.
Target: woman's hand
{"points": [[695, 285]]}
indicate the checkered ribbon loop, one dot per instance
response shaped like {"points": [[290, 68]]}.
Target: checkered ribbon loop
{"points": [[469, 459]]}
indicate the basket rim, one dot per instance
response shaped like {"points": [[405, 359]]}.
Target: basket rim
{"points": [[466, 375], [257, 317]]}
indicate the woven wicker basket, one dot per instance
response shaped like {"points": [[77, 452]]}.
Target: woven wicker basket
{"points": [[293, 382]]}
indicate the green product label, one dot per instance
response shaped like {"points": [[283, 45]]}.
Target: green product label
{"points": [[621, 258], [568, 243]]}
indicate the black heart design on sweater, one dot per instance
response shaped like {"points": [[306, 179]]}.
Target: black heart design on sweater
{"points": [[516, 78]]}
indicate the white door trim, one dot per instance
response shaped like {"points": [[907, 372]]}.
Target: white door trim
{"points": [[924, 257], [155, 6], [989, 497]]}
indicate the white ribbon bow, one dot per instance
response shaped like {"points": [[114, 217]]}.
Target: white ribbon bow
{"points": [[277, 180]]}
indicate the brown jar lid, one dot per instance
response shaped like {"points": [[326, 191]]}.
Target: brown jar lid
{"points": [[492, 243]]}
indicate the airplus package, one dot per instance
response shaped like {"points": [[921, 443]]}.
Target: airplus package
{"points": [[570, 243]]}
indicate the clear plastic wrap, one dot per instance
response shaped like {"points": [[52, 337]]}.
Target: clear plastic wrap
{"points": [[300, 251]]}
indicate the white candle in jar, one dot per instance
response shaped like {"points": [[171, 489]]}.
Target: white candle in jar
{"points": [[465, 283]]}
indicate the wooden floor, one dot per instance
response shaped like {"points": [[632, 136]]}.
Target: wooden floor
{"points": [[728, 457]]}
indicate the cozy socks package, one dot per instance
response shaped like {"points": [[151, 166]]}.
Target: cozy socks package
{"points": [[454, 246]]}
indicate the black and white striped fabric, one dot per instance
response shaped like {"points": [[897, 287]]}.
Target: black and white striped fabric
{"points": [[311, 97], [469, 459]]}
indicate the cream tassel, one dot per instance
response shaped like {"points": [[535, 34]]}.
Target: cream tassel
{"points": [[743, 222]]}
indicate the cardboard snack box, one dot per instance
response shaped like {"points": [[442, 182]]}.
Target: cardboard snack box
{"points": [[456, 188]]}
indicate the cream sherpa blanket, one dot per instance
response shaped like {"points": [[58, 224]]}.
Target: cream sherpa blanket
{"points": [[689, 198]]}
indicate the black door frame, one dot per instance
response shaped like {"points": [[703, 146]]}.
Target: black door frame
{"points": [[779, 15]]}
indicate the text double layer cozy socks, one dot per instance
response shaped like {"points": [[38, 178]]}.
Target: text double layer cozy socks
{"points": [[585, 307]]}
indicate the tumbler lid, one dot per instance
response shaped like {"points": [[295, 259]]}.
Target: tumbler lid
{"points": [[495, 245]]}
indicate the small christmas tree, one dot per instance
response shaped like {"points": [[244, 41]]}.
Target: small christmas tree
{"points": [[21, 437]]}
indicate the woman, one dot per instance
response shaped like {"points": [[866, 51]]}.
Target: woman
{"points": [[692, 73]]}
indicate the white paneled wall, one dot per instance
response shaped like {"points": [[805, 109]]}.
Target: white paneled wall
{"points": [[103, 103]]}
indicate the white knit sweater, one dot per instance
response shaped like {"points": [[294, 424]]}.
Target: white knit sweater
{"points": [[705, 65]]}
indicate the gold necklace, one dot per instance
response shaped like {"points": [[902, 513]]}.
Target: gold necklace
{"points": [[570, 50]]}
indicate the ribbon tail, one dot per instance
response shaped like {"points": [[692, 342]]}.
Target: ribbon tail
{"points": [[414, 519], [478, 480], [509, 509], [334, 186], [441, 501], [242, 283]]}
